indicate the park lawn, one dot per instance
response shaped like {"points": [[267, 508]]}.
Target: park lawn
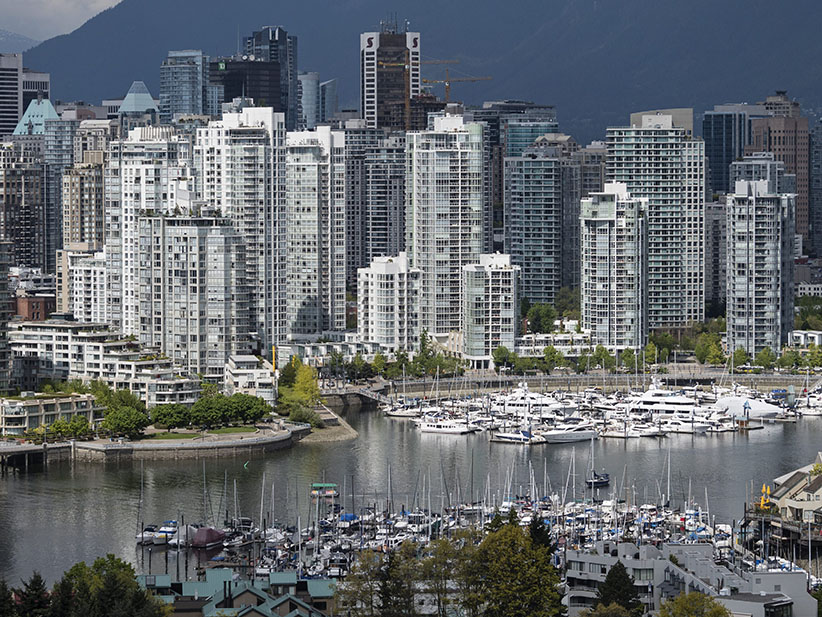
{"points": [[232, 429], [173, 436]]}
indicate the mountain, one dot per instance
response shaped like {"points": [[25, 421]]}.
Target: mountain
{"points": [[596, 60], [11, 42]]}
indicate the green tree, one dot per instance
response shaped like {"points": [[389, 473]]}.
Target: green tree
{"points": [[173, 415], [33, 598], [583, 362], [618, 588], [306, 385], [397, 582], [715, 355], [501, 356], [740, 357], [78, 426], [540, 534], [358, 593], [567, 303], [359, 367], [651, 353], [627, 359], [468, 573], [289, 373], [693, 604], [59, 428], [602, 357], [436, 572], [379, 364], [600, 610], [541, 318], [765, 359], [553, 357], [518, 578], [126, 421], [61, 603], [8, 608], [246, 408]]}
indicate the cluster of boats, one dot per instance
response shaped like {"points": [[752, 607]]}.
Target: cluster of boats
{"points": [[525, 417]]}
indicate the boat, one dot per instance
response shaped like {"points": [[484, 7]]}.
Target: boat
{"points": [[569, 433], [146, 536], [687, 427], [523, 437], [594, 479], [445, 426], [165, 532], [745, 408], [208, 537]]}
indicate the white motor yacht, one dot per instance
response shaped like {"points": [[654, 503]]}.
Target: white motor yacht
{"points": [[685, 426], [146, 536], [522, 437], [568, 433], [445, 426]]}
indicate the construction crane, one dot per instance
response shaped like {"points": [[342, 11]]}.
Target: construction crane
{"points": [[448, 81]]}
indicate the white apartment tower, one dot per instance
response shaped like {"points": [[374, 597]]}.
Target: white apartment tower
{"points": [[760, 236], [240, 162], [490, 307], [659, 161], [194, 301], [614, 264], [388, 303], [141, 177], [444, 215], [316, 246], [389, 71]]}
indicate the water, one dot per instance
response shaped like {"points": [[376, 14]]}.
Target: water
{"points": [[51, 519]]}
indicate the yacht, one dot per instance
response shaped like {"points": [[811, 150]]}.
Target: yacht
{"points": [[146, 536], [568, 433], [657, 402], [743, 408], [165, 532], [526, 438], [445, 426], [685, 426]]}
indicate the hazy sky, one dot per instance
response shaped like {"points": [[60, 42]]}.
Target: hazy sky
{"points": [[42, 19]]}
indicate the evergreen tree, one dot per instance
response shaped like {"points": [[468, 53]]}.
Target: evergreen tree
{"points": [[618, 588], [34, 597], [8, 608], [397, 580], [62, 599], [612, 610], [540, 534]]}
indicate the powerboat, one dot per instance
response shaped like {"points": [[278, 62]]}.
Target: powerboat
{"points": [[569, 433], [165, 532]]}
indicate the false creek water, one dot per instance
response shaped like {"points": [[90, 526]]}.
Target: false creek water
{"points": [[52, 518]]}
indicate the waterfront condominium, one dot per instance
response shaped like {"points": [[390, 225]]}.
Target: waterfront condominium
{"points": [[240, 163], [659, 161], [614, 284], [490, 308], [388, 308], [443, 205], [760, 240], [316, 246], [389, 72]]}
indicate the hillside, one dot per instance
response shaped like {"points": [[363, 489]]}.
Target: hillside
{"points": [[11, 42]]}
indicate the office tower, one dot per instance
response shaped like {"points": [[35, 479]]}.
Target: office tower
{"points": [[762, 166], [240, 163], [58, 156], [490, 308], [726, 131], [786, 136], [11, 92], [308, 110], [193, 292], [444, 203], [22, 208], [388, 308], [760, 237], [389, 72], [316, 243], [815, 189], [384, 186], [359, 140], [184, 85], [246, 77], [518, 131], [716, 258], [141, 176], [328, 100], [274, 44], [83, 204], [614, 281], [94, 136], [658, 161], [36, 85], [415, 115]]}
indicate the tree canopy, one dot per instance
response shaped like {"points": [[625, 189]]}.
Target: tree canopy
{"points": [[618, 588], [693, 604]]}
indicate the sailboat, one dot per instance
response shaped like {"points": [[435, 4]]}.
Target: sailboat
{"points": [[594, 479]]}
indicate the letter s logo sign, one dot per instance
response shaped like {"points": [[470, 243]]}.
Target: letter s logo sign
{"points": [[416, 42], [369, 43]]}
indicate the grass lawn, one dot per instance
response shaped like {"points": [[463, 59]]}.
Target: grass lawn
{"points": [[232, 429], [172, 436]]}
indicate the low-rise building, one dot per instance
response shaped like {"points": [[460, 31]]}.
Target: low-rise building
{"points": [[250, 375], [318, 353], [570, 344], [19, 414], [35, 306], [805, 338]]}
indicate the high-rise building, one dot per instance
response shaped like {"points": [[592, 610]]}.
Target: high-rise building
{"points": [[185, 85], [518, 131], [6, 256], [384, 211], [22, 208], [444, 208], [94, 136], [11, 92], [36, 84], [388, 308], [760, 238], [716, 258], [316, 238], [142, 176], [815, 190], [193, 292], [660, 162], [614, 282], [490, 308], [240, 163], [328, 100], [83, 203], [248, 77], [727, 131], [763, 166], [138, 108], [389, 72], [308, 110], [274, 44], [82, 286], [786, 136]]}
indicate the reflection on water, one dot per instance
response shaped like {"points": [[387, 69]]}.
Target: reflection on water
{"points": [[53, 518]]}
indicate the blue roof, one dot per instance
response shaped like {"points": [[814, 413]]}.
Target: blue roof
{"points": [[137, 100], [321, 588], [282, 578], [33, 121]]}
